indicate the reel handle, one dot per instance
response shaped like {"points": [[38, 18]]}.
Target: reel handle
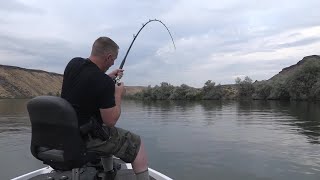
{"points": [[117, 80]]}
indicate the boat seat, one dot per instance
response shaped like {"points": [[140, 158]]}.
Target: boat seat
{"points": [[56, 138], [51, 154]]}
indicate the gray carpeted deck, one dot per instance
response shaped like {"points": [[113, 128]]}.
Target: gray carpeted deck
{"points": [[125, 174], [88, 173]]}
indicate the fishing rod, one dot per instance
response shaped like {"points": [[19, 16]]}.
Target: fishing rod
{"points": [[117, 79]]}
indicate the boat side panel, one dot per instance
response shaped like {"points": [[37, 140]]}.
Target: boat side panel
{"points": [[153, 173], [34, 173], [122, 174]]}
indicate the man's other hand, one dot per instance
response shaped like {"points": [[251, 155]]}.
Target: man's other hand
{"points": [[120, 90]]}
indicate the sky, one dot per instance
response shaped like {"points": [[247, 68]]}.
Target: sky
{"points": [[215, 40]]}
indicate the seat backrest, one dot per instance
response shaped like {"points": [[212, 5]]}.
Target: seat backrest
{"points": [[56, 138]]}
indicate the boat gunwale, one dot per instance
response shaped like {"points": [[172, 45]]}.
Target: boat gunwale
{"points": [[153, 173]]}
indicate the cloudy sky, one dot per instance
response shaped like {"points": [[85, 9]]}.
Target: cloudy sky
{"points": [[215, 40]]}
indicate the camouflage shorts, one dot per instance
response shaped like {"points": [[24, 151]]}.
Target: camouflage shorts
{"points": [[121, 143]]}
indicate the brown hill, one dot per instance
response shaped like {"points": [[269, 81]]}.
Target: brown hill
{"points": [[130, 90], [16, 82], [288, 71]]}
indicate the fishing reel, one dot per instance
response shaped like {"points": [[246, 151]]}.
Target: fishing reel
{"points": [[117, 80]]}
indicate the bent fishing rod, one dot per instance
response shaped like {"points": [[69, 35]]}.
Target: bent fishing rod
{"points": [[117, 79]]}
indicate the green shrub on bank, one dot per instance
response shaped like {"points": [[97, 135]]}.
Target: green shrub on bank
{"points": [[211, 92], [303, 81], [315, 91], [279, 91], [185, 92], [245, 87], [301, 84], [262, 90], [162, 92]]}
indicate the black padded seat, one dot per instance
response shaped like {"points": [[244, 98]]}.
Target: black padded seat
{"points": [[51, 155], [56, 138]]}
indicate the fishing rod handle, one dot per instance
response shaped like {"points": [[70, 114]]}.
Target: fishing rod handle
{"points": [[117, 80]]}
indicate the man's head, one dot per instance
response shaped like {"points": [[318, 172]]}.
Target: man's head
{"points": [[104, 53]]}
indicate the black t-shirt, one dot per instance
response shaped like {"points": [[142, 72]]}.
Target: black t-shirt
{"points": [[87, 89]]}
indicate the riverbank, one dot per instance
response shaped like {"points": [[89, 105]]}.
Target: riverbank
{"points": [[297, 82]]}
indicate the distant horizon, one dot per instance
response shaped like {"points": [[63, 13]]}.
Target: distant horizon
{"points": [[40, 70]]}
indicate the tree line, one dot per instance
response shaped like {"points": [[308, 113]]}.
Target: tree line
{"points": [[302, 84]]}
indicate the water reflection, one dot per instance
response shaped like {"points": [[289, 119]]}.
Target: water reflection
{"points": [[304, 116], [202, 139], [186, 112], [171, 111], [307, 118], [13, 116], [13, 107], [168, 105], [211, 111], [210, 106]]}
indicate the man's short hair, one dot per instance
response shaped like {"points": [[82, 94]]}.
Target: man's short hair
{"points": [[103, 45]]}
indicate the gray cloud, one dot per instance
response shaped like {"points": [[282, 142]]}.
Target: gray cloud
{"points": [[215, 40], [36, 53], [17, 7], [302, 42]]}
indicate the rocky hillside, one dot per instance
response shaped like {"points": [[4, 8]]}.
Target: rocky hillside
{"points": [[16, 82], [130, 90], [300, 81], [288, 71]]}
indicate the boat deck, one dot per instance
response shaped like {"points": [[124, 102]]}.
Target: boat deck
{"points": [[89, 173], [125, 174]]}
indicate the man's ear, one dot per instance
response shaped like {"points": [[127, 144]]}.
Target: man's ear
{"points": [[109, 56]]}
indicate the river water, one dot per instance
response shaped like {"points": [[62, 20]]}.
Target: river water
{"points": [[251, 140]]}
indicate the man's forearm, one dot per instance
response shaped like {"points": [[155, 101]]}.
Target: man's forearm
{"points": [[110, 116], [117, 112]]}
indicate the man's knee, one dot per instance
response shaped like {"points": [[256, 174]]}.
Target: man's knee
{"points": [[128, 145]]}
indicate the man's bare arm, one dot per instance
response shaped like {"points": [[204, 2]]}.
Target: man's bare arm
{"points": [[110, 116]]}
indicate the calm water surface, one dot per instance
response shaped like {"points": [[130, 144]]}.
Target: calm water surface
{"points": [[253, 140]]}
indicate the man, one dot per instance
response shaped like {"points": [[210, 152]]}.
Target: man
{"points": [[94, 95]]}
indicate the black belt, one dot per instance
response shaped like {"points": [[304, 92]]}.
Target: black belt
{"points": [[95, 129]]}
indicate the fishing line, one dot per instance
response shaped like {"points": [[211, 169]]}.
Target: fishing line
{"points": [[117, 79]]}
